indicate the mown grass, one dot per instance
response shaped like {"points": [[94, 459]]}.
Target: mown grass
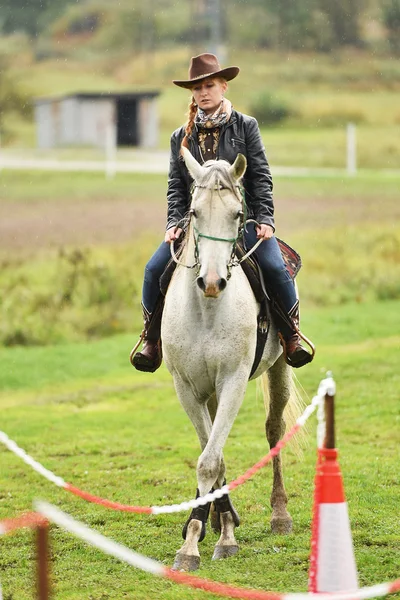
{"points": [[84, 413], [57, 187]]}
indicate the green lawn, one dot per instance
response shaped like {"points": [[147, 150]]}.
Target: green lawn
{"points": [[85, 414]]}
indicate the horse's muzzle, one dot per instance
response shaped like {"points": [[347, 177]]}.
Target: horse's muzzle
{"points": [[211, 288]]}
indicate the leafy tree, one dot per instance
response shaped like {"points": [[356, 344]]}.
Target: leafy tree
{"points": [[31, 16], [12, 98], [147, 25], [391, 19], [344, 19]]}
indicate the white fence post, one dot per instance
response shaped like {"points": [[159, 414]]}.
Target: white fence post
{"points": [[111, 151], [351, 149]]}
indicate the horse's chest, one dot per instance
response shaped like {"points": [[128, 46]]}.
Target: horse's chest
{"points": [[209, 336], [206, 349]]}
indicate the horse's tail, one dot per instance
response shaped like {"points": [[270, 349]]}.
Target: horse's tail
{"points": [[294, 408]]}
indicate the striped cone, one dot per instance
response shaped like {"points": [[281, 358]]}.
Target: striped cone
{"points": [[332, 563]]}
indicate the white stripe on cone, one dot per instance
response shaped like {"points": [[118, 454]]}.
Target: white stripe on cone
{"points": [[336, 563]]}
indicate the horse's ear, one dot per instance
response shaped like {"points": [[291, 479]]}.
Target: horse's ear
{"points": [[194, 168], [239, 166]]}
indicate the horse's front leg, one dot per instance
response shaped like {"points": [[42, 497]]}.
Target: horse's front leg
{"points": [[188, 557], [280, 382], [224, 504], [210, 467]]}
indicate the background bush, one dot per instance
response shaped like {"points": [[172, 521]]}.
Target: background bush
{"points": [[78, 294], [269, 109]]}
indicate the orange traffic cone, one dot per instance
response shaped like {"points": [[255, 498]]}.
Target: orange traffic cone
{"points": [[332, 562]]}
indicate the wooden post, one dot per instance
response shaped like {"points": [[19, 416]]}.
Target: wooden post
{"points": [[42, 544], [111, 150], [329, 440]]}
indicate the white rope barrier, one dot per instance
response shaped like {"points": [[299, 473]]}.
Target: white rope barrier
{"points": [[374, 591], [326, 386], [11, 445], [93, 538], [144, 563], [96, 539]]}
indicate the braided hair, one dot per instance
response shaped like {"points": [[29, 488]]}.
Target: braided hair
{"points": [[190, 122]]}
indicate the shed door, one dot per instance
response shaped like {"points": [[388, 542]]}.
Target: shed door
{"points": [[127, 125]]}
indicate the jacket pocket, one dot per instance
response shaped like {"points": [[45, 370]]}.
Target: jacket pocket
{"points": [[237, 142]]}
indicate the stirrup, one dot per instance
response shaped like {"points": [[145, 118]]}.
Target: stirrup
{"points": [[135, 348], [303, 357]]}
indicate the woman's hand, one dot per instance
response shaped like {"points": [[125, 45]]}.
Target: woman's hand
{"points": [[172, 234], [264, 232]]}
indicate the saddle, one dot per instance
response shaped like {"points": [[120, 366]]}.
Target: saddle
{"points": [[259, 287]]}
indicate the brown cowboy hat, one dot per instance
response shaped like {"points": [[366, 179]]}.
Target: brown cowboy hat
{"points": [[203, 66]]}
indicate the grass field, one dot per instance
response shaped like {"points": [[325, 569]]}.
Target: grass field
{"points": [[81, 410]]}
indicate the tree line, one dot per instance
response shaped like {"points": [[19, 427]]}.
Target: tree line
{"points": [[319, 25]]}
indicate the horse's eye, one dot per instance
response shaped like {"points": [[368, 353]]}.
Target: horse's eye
{"points": [[193, 212], [240, 214]]}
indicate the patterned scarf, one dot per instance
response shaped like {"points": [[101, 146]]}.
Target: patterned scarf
{"points": [[217, 119]]}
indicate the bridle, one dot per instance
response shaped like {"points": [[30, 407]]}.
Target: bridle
{"points": [[233, 261]]}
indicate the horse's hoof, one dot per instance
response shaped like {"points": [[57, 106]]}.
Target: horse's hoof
{"points": [[186, 562], [224, 552], [281, 525]]}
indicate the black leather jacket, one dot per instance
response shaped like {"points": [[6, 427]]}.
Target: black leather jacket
{"points": [[240, 135]]}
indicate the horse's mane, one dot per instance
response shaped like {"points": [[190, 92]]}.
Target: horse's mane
{"points": [[214, 172]]}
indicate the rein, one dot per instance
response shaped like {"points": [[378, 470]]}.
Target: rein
{"points": [[233, 262]]}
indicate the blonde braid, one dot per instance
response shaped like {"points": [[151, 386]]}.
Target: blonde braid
{"points": [[190, 122]]}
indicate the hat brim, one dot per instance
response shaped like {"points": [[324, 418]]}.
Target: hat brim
{"points": [[229, 73]]}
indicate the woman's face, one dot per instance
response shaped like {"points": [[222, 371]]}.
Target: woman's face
{"points": [[208, 94]]}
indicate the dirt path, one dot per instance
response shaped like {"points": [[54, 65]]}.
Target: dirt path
{"points": [[38, 225], [27, 226]]}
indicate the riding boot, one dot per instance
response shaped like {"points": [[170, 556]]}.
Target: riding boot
{"points": [[294, 352], [150, 357]]}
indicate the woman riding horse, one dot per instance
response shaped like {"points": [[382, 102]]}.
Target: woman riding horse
{"points": [[216, 131]]}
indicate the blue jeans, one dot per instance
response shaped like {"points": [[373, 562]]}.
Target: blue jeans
{"points": [[269, 258], [152, 273], [275, 273]]}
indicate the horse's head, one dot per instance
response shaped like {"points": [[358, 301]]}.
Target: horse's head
{"points": [[217, 215]]}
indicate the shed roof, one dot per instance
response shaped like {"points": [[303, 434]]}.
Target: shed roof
{"points": [[100, 96]]}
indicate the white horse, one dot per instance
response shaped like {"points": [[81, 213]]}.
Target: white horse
{"points": [[209, 339]]}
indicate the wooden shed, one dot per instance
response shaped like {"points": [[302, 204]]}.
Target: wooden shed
{"points": [[98, 119]]}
